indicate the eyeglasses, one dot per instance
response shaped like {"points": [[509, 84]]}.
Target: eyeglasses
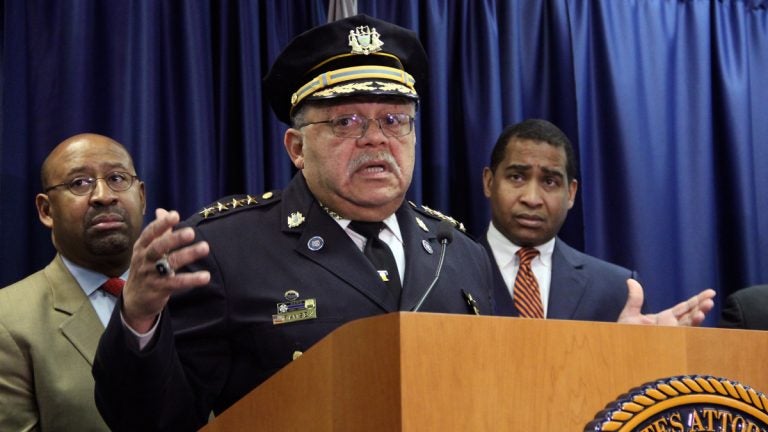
{"points": [[118, 181], [355, 126]]}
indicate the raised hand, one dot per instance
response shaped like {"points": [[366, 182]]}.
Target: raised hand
{"points": [[687, 313], [147, 291]]}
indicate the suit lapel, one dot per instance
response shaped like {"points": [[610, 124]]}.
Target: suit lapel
{"points": [[502, 300], [82, 327], [568, 282], [420, 264]]}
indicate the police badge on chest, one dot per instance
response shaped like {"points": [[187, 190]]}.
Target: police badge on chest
{"points": [[294, 309]]}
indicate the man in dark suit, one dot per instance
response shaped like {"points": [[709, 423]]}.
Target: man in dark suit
{"points": [[531, 184], [272, 274], [746, 309]]}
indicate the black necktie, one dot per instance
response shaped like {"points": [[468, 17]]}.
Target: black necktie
{"points": [[379, 254]]}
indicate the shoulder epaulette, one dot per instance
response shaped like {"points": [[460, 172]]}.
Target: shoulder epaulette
{"points": [[437, 215], [236, 203]]}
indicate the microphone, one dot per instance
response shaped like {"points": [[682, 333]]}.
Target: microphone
{"points": [[445, 237]]}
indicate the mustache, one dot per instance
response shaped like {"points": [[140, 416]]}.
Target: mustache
{"points": [[94, 216], [379, 156]]}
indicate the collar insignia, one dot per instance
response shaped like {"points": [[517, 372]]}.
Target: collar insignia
{"points": [[421, 224], [295, 219]]}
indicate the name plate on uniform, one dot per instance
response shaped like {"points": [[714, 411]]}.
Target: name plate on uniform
{"points": [[298, 310]]}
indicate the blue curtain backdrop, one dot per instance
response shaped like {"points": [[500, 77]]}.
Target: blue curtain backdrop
{"points": [[665, 100]]}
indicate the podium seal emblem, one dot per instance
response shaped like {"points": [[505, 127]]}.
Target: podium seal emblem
{"points": [[686, 404]]}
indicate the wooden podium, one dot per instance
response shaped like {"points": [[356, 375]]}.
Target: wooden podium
{"points": [[439, 372]]}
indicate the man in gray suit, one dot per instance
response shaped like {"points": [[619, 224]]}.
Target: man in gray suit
{"points": [[531, 184], [51, 321]]}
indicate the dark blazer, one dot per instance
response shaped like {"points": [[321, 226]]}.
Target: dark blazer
{"points": [[215, 343], [746, 309], [582, 288]]}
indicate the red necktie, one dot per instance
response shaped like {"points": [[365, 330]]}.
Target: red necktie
{"points": [[113, 286], [526, 291]]}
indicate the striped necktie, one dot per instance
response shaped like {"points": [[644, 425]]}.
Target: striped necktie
{"points": [[526, 291]]}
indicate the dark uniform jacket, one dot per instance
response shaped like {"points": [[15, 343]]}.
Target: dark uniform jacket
{"points": [[582, 287], [746, 309], [272, 258]]}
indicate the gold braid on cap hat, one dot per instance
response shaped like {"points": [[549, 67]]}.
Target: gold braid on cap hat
{"points": [[337, 76]]}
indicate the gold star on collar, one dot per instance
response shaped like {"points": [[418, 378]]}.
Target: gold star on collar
{"points": [[235, 203], [250, 200], [295, 219], [207, 212], [221, 207]]}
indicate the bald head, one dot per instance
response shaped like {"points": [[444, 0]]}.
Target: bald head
{"points": [[74, 145]]}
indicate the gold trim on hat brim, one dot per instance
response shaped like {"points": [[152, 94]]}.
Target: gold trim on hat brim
{"points": [[373, 87], [402, 81]]}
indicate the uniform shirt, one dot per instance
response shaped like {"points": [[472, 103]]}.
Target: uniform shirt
{"points": [[89, 282], [504, 252]]}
